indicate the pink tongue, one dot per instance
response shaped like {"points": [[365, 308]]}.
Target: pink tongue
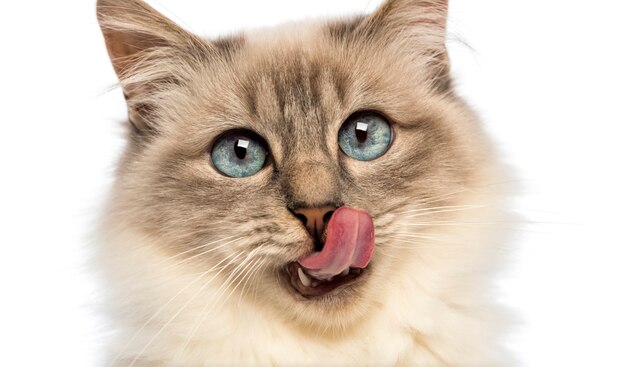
{"points": [[349, 243]]}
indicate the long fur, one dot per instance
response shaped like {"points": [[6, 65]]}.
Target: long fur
{"points": [[192, 261]]}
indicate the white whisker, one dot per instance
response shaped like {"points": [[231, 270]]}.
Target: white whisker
{"points": [[251, 272], [199, 247], [157, 313], [452, 223], [208, 251], [444, 207], [239, 270], [156, 335], [438, 211]]}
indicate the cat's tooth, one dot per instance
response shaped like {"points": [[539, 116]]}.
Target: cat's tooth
{"points": [[303, 278], [345, 272], [315, 284]]}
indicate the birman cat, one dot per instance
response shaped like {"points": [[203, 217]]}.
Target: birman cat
{"points": [[314, 194]]}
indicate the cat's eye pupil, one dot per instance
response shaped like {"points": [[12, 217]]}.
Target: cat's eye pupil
{"points": [[241, 147], [365, 136], [361, 132], [239, 153]]}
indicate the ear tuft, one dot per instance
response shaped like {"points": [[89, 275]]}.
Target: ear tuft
{"points": [[418, 29], [148, 52], [425, 18]]}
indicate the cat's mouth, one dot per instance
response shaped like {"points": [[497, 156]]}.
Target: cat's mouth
{"points": [[309, 285], [348, 249]]}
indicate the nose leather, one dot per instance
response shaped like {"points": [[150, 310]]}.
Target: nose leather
{"points": [[315, 220]]}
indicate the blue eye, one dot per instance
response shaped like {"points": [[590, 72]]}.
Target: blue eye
{"points": [[365, 136], [239, 153]]}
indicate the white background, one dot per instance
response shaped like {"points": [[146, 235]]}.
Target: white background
{"points": [[547, 76]]}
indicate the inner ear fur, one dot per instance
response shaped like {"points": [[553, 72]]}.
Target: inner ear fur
{"points": [[148, 51], [416, 27]]}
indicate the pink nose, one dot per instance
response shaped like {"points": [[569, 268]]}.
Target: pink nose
{"points": [[315, 221]]}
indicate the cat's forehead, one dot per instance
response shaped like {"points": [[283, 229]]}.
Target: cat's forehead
{"points": [[290, 82], [295, 85]]}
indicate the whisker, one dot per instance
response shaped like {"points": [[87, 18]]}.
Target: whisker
{"points": [[198, 247], [239, 270], [257, 280], [156, 314], [251, 272], [417, 245], [437, 198], [439, 211], [444, 207], [452, 223], [246, 271], [202, 253], [156, 335], [412, 235]]}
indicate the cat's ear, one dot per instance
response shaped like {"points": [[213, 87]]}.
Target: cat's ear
{"points": [[415, 27], [148, 52]]}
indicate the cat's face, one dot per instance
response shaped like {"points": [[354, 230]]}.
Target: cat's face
{"points": [[290, 98]]}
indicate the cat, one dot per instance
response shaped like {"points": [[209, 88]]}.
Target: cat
{"points": [[314, 194]]}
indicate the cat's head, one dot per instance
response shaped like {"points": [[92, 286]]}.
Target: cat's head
{"points": [[244, 148]]}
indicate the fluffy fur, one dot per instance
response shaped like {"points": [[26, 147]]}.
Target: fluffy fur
{"points": [[193, 261]]}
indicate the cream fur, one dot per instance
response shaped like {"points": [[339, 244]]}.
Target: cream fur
{"points": [[429, 317], [428, 301]]}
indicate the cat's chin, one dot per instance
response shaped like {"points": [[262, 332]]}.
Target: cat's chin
{"points": [[308, 287]]}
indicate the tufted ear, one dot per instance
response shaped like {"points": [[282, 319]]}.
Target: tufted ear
{"points": [[417, 28], [148, 52], [416, 19]]}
